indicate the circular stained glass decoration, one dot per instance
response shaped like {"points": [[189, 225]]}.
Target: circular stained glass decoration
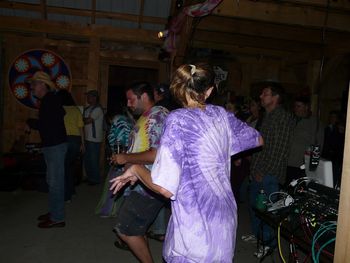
{"points": [[31, 61]]}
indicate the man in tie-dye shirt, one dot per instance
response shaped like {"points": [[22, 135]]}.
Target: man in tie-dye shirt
{"points": [[140, 206]]}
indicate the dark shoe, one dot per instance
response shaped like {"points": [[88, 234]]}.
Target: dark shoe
{"points": [[44, 217], [158, 237], [121, 244], [50, 224]]}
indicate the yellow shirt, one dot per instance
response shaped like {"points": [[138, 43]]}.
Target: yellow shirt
{"points": [[73, 120]]}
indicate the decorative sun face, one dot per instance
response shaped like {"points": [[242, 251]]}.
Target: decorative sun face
{"points": [[62, 82], [20, 91], [21, 65], [48, 59]]}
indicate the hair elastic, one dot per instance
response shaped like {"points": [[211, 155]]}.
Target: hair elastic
{"points": [[193, 69]]}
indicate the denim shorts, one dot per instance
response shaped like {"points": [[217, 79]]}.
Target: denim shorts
{"points": [[136, 214]]}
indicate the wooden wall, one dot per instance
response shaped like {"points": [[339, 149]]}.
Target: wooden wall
{"points": [[90, 62], [297, 78], [89, 69]]}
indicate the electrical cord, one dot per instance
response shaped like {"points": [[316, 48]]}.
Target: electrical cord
{"points": [[279, 241], [322, 247], [325, 227]]}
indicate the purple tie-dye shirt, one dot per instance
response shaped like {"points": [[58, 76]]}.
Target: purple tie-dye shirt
{"points": [[193, 163]]}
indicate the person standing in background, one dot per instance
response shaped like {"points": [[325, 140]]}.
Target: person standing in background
{"points": [[162, 97], [50, 125], [333, 147], [73, 121], [118, 142], [93, 130], [268, 166], [308, 131]]}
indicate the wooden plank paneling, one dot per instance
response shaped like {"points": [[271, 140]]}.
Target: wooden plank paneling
{"points": [[277, 12], [337, 5], [81, 12], [271, 30], [10, 24], [251, 41]]}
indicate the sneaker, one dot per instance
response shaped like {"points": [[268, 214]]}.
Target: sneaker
{"points": [[44, 217], [249, 239], [121, 244], [50, 224], [262, 251]]}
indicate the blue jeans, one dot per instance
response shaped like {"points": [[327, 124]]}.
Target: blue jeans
{"points": [[270, 185], [92, 161], [72, 155], [55, 158]]}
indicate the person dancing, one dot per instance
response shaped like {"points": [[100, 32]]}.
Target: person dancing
{"points": [[192, 168]]}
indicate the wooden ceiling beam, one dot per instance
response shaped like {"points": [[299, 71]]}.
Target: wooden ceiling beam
{"points": [[82, 12], [17, 24], [246, 51], [258, 53], [277, 12], [334, 5], [271, 30], [240, 48], [252, 41]]}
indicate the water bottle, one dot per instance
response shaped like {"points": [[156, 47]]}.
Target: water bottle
{"points": [[315, 155], [261, 201]]}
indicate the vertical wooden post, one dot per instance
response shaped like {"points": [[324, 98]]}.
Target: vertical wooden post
{"points": [[93, 64], [312, 82], [142, 7], [103, 84], [182, 45], [342, 244], [93, 13], [43, 9]]}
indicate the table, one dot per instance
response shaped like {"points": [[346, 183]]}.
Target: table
{"points": [[291, 230]]}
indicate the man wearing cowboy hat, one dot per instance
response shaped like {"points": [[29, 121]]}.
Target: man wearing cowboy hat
{"points": [[50, 125]]}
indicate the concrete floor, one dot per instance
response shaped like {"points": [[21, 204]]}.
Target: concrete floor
{"points": [[86, 238]]}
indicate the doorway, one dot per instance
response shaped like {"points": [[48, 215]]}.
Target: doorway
{"points": [[121, 77]]}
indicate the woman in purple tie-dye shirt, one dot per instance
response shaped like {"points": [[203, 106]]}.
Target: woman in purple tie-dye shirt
{"points": [[192, 168]]}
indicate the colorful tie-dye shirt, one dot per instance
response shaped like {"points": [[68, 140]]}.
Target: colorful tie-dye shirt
{"points": [[119, 131], [145, 135], [193, 163]]}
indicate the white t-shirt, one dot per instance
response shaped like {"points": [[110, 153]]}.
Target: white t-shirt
{"points": [[94, 134]]}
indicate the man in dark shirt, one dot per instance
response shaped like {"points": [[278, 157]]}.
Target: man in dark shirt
{"points": [[268, 167], [50, 125]]}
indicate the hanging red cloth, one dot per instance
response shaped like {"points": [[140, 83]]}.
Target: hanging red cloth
{"points": [[177, 22]]}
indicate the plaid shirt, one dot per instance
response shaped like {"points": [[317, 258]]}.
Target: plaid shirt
{"points": [[276, 130]]}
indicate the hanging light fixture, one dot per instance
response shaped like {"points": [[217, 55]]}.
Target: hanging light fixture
{"points": [[163, 34], [179, 3]]}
